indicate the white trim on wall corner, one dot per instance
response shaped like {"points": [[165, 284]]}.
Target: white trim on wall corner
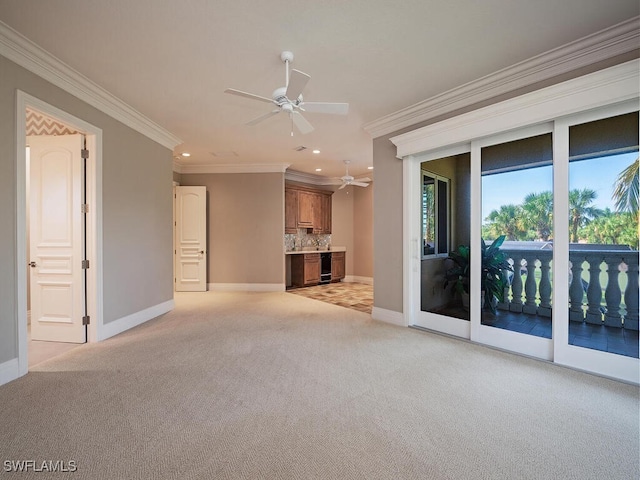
{"points": [[247, 287], [125, 323], [34, 58], [9, 371], [388, 316], [603, 45], [231, 168]]}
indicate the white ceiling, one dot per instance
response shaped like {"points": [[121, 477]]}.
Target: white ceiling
{"points": [[172, 60]]}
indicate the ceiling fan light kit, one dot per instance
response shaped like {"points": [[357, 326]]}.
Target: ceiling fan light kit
{"points": [[289, 99], [347, 179]]}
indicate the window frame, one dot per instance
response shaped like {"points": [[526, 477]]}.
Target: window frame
{"points": [[437, 227]]}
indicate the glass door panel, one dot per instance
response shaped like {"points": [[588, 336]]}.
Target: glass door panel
{"points": [[444, 220], [517, 236], [603, 235]]}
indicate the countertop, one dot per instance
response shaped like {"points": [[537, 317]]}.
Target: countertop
{"points": [[322, 250]]}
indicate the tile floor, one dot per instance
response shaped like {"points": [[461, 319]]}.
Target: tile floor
{"points": [[357, 296]]}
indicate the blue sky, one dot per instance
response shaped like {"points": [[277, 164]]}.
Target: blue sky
{"points": [[599, 174]]}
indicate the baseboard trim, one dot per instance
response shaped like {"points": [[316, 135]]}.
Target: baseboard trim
{"points": [[388, 316], [247, 287], [125, 323], [9, 371], [358, 279]]}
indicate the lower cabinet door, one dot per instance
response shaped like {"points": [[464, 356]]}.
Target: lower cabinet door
{"points": [[311, 268]]}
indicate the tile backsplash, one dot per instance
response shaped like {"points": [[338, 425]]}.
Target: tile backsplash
{"points": [[305, 241]]}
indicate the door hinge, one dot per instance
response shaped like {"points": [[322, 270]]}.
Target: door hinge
{"points": [[84, 153], [85, 264], [84, 208], [86, 320]]}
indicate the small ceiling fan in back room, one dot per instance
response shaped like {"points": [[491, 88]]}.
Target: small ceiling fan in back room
{"points": [[348, 180], [289, 99]]}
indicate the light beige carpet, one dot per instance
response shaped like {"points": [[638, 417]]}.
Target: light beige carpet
{"points": [[278, 386]]}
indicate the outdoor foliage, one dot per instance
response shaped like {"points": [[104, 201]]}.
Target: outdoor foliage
{"points": [[626, 189], [533, 220], [612, 229]]}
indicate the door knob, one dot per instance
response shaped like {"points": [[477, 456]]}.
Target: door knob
{"points": [[32, 264]]}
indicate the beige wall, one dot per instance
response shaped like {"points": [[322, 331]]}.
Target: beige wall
{"points": [[245, 226], [363, 232], [342, 224], [136, 200]]}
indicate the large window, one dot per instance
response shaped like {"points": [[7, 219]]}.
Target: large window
{"points": [[435, 214]]}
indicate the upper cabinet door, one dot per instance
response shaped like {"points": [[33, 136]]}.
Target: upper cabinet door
{"points": [[306, 204], [290, 211]]}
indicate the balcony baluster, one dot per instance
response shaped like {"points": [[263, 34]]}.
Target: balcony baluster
{"points": [[576, 290], [516, 284], [612, 295], [631, 294], [530, 288], [594, 290], [544, 289]]}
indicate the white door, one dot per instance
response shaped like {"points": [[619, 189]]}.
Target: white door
{"points": [[56, 239], [191, 239]]}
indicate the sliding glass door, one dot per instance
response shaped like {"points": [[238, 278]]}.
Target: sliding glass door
{"points": [[602, 243], [538, 228], [514, 241]]}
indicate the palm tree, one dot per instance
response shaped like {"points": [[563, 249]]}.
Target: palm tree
{"points": [[538, 213], [507, 220], [580, 209], [626, 189]]}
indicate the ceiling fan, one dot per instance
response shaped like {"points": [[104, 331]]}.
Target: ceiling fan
{"points": [[289, 99], [349, 180]]}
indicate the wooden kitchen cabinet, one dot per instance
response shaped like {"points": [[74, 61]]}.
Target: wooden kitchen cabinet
{"points": [[290, 211], [305, 269], [337, 266], [308, 208], [307, 202]]}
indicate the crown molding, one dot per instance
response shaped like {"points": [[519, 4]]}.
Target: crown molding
{"points": [[310, 178], [231, 168], [34, 58], [610, 86], [603, 45]]}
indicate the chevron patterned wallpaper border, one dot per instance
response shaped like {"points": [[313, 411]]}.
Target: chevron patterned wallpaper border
{"points": [[39, 124]]}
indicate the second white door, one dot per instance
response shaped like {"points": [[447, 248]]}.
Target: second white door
{"points": [[191, 239]]}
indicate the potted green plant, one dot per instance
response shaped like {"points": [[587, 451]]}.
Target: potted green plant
{"points": [[493, 280], [458, 274]]}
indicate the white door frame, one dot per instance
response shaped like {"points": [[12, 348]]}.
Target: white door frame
{"points": [[94, 221]]}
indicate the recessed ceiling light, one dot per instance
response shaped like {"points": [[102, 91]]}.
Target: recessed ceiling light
{"points": [[318, 169], [316, 151], [370, 168], [186, 154]]}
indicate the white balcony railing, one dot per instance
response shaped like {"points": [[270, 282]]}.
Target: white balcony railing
{"points": [[603, 286]]}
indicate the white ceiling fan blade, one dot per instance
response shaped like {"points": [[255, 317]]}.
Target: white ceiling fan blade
{"points": [[360, 184], [233, 91], [263, 117], [343, 185], [301, 123], [297, 82], [325, 107], [363, 179]]}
